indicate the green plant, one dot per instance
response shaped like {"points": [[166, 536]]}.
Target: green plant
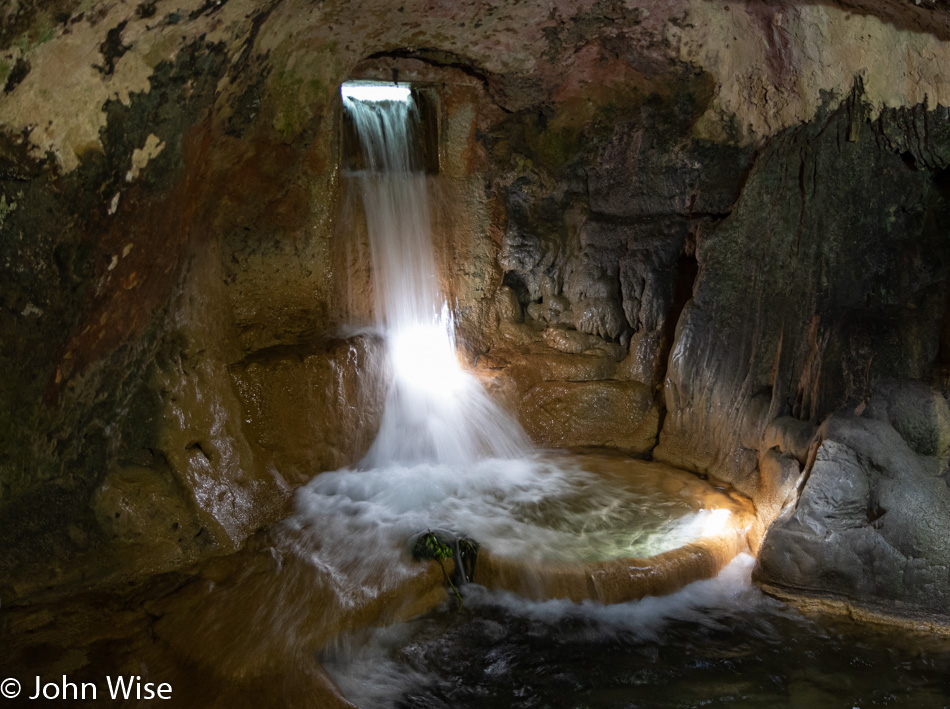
{"points": [[430, 546]]}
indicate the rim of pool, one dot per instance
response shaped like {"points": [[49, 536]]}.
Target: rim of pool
{"points": [[681, 527]]}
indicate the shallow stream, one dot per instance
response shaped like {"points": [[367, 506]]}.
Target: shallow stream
{"points": [[716, 643], [447, 457]]}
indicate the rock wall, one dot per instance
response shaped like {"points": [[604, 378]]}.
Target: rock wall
{"points": [[870, 526], [805, 301], [688, 230]]}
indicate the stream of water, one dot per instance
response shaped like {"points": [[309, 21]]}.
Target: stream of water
{"points": [[243, 630], [447, 457], [435, 413], [715, 643]]}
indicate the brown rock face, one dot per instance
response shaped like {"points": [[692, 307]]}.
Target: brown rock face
{"points": [[607, 414], [842, 295], [312, 409]]}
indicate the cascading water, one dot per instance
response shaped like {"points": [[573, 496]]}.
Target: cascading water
{"points": [[242, 630], [446, 457], [435, 412]]}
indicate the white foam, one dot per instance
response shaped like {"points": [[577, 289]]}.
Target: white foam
{"points": [[365, 672], [434, 411], [730, 590], [530, 508]]}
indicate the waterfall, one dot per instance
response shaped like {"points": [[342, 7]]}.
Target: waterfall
{"points": [[435, 412], [446, 457]]}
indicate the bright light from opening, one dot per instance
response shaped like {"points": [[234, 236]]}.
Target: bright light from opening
{"points": [[424, 359], [370, 91], [715, 523]]}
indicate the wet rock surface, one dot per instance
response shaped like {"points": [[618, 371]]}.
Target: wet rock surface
{"points": [[241, 630], [704, 225], [606, 414], [870, 525], [804, 302]]}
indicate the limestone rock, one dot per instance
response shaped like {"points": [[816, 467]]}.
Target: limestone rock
{"points": [[144, 510], [569, 341], [313, 409], [602, 317], [871, 524], [509, 309], [793, 308], [917, 412], [600, 413]]}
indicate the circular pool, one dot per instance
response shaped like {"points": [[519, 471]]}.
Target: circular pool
{"points": [[549, 525], [612, 529]]}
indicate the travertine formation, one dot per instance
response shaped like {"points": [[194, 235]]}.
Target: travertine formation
{"points": [[711, 233]]}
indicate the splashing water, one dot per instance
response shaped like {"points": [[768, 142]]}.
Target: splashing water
{"points": [[446, 456], [398, 666], [435, 412]]}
